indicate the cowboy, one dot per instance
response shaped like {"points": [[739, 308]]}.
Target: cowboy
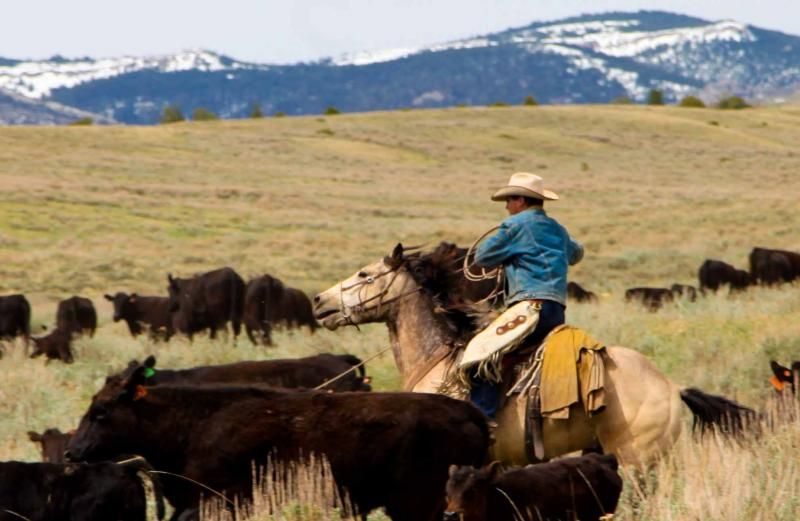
{"points": [[535, 251]]}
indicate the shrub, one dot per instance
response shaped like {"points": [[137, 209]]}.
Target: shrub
{"points": [[172, 114], [279, 114], [692, 102], [732, 102], [81, 122], [255, 112], [203, 114], [655, 97], [622, 100], [331, 111], [530, 101], [499, 104]]}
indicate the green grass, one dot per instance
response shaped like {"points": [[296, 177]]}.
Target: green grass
{"points": [[651, 192]]}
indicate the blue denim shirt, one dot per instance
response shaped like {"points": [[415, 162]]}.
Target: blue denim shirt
{"points": [[535, 251]]}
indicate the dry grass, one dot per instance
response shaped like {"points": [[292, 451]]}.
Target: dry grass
{"points": [[651, 192]]}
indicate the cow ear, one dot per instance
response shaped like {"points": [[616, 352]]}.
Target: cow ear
{"points": [[133, 387], [780, 372], [35, 436], [109, 297], [150, 361], [132, 298]]}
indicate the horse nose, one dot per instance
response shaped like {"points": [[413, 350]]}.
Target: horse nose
{"points": [[450, 516], [317, 299]]}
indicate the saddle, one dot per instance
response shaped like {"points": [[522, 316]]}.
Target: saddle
{"points": [[565, 369]]}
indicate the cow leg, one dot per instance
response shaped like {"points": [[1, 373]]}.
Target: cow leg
{"points": [[249, 331]]}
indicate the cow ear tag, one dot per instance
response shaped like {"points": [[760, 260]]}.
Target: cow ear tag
{"points": [[141, 392], [149, 372]]}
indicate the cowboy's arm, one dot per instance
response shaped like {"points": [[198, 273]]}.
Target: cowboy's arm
{"points": [[496, 249], [575, 251]]}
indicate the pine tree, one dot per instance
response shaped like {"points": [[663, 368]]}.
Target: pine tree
{"points": [[530, 101], [172, 114], [255, 112], [655, 97], [203, 114]]}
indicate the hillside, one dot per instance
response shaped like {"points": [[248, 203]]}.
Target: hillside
{"points": [[651, 192]]}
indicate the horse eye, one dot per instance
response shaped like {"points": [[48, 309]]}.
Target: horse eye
{"points": [[362, 274]]}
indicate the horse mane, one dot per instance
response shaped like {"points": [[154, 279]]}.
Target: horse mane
{"points": [[456, 299]]}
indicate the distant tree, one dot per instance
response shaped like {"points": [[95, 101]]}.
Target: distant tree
{"points": [[255, 112], [81, 122], [655, 97], [172, 114], [732, 102], [279, 114], [499, 104], [530, 101], [331, 111], [203, 114], [622, 100], [692, 102]]}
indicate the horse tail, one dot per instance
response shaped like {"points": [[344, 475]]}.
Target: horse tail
{"points": [[717, 413]]}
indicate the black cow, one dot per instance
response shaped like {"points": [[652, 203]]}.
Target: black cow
{"points": [[387, 450], [713, 274], [770, 267], [269, 304], [308, 373], [579, 294], [77, 314], [584, 488], [653, 298], [207, 301], [53, 444], [15, 317], [56, 345], [684, 291], [76, 491], [139, 313]]}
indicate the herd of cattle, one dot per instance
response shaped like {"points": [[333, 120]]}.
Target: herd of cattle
{"points": [[418, 456], [767, 267], [203, 302]]}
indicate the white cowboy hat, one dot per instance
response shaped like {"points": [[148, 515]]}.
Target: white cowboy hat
{"points": [[525, 185]]}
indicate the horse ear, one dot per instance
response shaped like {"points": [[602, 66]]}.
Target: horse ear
{"points": [[397, 253], [492, 470]]}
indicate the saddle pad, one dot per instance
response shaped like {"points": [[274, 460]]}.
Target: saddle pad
{"points": [[503, 335]]}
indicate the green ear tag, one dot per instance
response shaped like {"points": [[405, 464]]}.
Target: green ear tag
{"points": [[149, 372]]}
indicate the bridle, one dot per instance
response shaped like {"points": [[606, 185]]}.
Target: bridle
{"points": [[362, 306]]}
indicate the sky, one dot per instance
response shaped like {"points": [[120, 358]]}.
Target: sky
{"points": [[289, 31]]}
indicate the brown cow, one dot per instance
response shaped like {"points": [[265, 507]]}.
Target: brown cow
{"points": [[53, 444], [308, 373], [713, 274], [388, 450], [770, 267], [269, 304], [579, 294], [584, 488], [684, 291], [76, 491], [15, 317], [207, 301], [77, 314], [652, 298], [56, 345], [139, 313]]}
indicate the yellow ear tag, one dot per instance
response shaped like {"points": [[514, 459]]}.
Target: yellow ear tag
{"points": [[141, 392]]}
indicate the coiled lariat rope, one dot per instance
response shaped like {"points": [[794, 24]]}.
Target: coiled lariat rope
{"points": [[496, 273]]}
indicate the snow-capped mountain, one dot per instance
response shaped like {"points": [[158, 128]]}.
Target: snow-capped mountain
{"points": [[19, 110], [585, 59], [37, 79]]}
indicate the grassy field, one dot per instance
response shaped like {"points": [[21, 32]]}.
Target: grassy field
{"points": [[650, 191]]}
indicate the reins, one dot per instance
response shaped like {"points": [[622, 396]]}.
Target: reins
{"points": [[360, 307]]}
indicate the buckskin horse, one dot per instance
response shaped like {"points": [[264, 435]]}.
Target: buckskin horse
{"points": [[641, 420]]}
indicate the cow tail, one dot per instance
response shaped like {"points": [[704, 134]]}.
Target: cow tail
{"points": [[237, 304], [143, 468], [717, 413]]}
